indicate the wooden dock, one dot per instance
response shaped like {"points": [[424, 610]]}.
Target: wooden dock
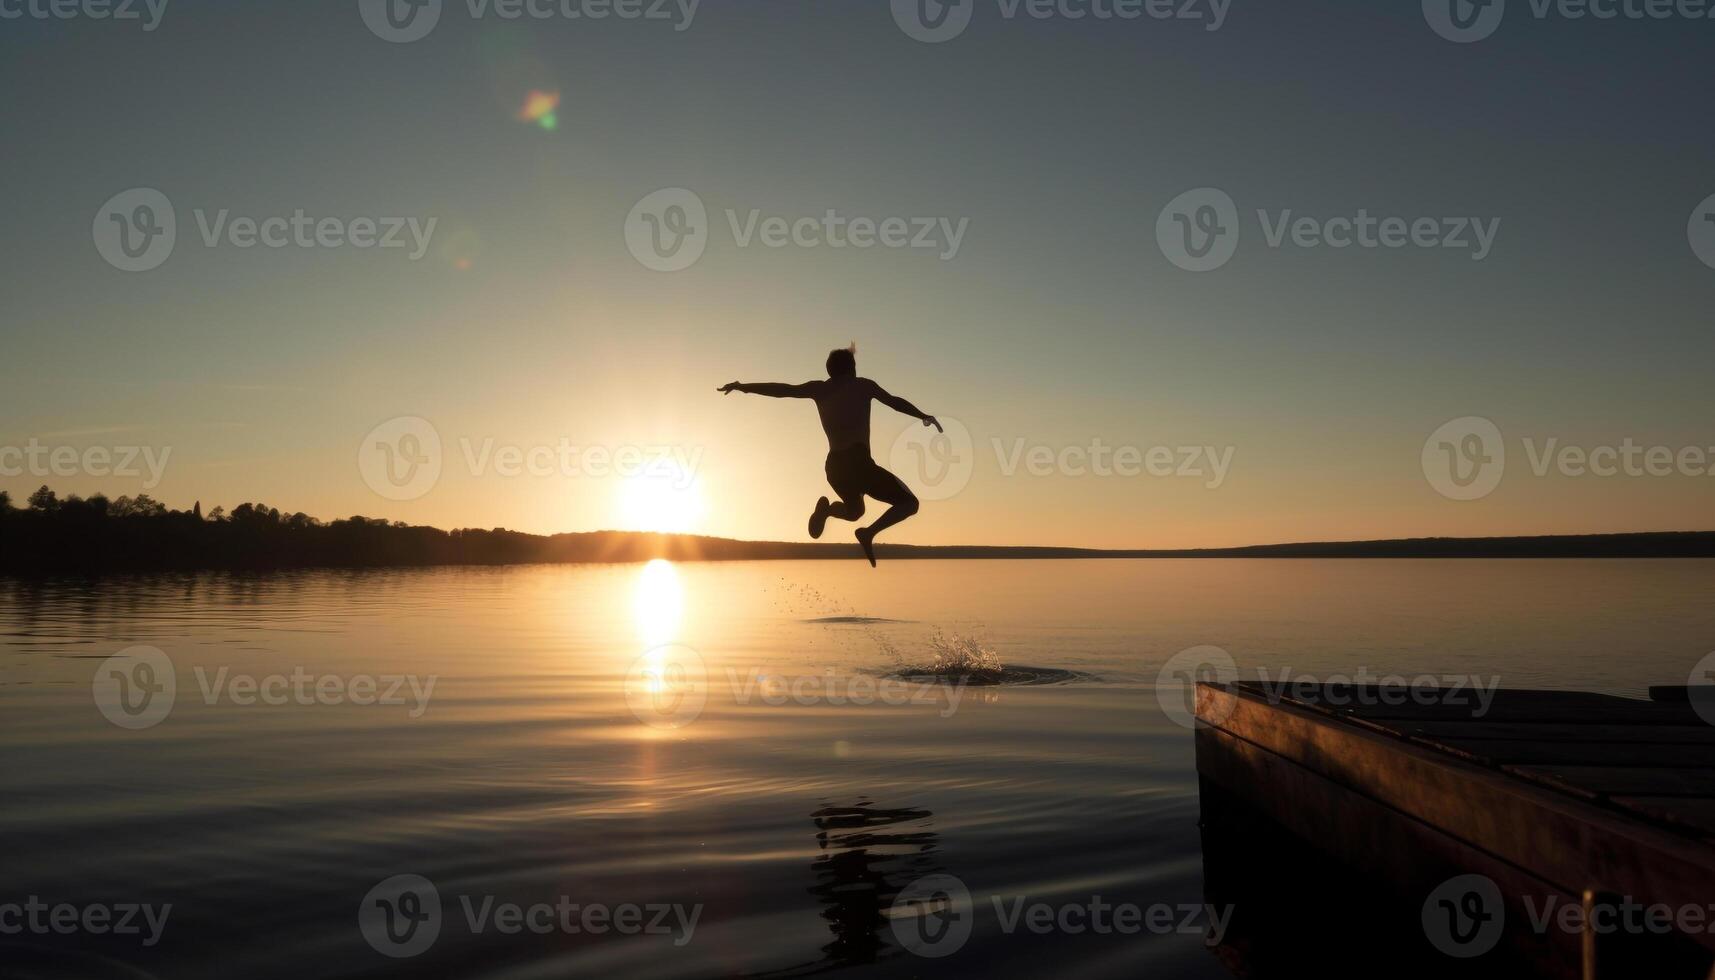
{"points": [[1554, 799]]}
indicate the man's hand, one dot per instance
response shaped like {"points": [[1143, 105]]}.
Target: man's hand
{"points": [[728, 389], [932, 420]]}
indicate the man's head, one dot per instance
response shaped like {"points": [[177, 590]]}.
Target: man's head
{"points": [[842, 362]]}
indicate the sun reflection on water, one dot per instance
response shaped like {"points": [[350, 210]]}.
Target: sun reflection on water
{"points": [[658, 603]]}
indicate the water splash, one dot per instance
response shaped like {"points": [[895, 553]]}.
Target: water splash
{"points": [[955, 654], [952, 656]]}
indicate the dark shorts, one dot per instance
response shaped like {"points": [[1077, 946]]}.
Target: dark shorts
{"points": [[854, 475]]}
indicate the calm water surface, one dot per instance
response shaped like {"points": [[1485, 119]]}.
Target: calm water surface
{"points": [[524, 776]]}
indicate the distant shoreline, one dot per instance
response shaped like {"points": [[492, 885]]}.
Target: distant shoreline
{"points": [[98, 535]]}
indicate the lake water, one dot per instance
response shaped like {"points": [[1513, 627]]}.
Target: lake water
{"points": [[752, 808]]}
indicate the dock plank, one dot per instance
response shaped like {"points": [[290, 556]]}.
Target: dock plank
{"points": [[1598, 781], [1633, 754], [1691, 813], [1467, 705], [1561, 731]]}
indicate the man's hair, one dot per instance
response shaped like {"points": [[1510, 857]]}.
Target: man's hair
{"points": [[842, 362]]}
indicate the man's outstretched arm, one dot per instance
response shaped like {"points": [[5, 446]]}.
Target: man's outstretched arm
{"points": [[771, 388], [904, 407]]}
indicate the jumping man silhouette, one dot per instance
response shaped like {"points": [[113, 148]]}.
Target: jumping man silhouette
{"points": [[843, 403]]}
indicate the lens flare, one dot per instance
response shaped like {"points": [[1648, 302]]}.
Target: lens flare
{"points": [[539, 108]]}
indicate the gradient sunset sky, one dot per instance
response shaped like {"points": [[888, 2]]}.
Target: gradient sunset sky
{"points": [[1059, 321]]}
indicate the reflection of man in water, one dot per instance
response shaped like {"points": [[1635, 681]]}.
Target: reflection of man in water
{"points": [[861, 856], [843, 403]]}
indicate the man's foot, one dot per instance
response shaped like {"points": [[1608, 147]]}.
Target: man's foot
{"points": [[819, 519], [866, 537]]}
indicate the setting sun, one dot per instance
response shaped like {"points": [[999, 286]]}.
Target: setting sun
{"points": [[667, 498]]}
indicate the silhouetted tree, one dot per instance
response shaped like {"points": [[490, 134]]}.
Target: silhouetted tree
{"points": [[44, 500]]}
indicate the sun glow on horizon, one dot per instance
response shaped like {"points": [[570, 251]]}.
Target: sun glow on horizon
{"points": [[666, 498]]}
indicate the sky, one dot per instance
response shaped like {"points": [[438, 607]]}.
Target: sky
{"points": [[589, 243]]}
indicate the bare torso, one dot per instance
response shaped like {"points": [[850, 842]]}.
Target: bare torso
{"points": [[843, 404]]}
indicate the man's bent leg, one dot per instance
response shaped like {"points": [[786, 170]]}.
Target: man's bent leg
{"points": [[888, 489], [847, 510]]}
